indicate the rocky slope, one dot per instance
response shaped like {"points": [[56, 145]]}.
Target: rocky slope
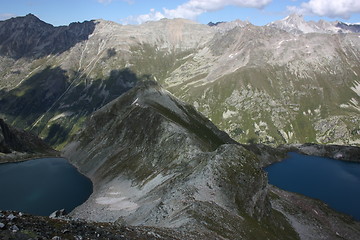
{"points": [[20, 226], [265, 84], [156, 162], [16, 144]]}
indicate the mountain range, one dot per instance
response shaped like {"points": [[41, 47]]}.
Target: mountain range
{"points": [[169, 118], [288, 82]]}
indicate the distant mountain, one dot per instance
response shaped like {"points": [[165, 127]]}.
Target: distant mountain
{"points": [[349, 27], [289, 82], [30, 37], [296, 24], [211, 24]]}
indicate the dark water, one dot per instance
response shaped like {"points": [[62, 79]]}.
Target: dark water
{"points": [[42, 186], [335, 182]]}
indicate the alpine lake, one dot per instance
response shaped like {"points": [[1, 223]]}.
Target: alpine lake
{"points": [[335, 182], [42, 186]]}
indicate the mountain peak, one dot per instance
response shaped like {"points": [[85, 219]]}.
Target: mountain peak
{"points": [[31, 16], [295, 23], [32, 19], [293, 18]]}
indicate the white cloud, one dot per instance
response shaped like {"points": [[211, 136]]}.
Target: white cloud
{"points": [[329, 8], [193, 8], [152, 16], [4, 16]]}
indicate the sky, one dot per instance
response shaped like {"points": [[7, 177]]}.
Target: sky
{"points": [[258, 12]]}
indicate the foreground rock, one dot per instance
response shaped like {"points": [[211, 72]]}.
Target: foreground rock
{"points": [[25, 227]]}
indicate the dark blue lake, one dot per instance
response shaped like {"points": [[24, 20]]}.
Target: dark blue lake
{"points": [[42, 186], [335, 182]]}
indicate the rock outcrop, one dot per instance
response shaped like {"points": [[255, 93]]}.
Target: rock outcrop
{"points": [[24, 227], [15, 141]]}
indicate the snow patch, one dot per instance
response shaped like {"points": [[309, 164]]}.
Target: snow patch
{"points": [[354, 101], [282, 41], [356, 88], [135, 102], [228, 114], [318, 110], [286, 135], [233, 55], [61, 115]]}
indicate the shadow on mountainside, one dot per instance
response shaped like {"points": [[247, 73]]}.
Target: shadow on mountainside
{"points": [[32, 38], [51, 104], [13, 139], [24, 104]]}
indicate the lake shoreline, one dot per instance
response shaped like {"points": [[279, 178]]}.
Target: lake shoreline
{"points": [[43, 186], [21, 157], [327, 179], [269, 155]]}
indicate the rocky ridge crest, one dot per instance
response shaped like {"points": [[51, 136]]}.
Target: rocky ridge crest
{"points": [[157, 162]]}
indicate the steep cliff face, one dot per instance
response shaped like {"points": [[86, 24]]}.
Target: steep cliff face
{"points": [[16, 144], [155, 161], [31, 38]]}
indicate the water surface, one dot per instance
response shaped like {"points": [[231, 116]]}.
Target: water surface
{"points": [[42, 186], [335, 182]]}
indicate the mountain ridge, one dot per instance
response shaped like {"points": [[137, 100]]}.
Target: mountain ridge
{"points": [[221, 70], [149, 168], [295, 23], [158, 188]]}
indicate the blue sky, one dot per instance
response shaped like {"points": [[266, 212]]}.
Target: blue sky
{"points": [[258, 12]]}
